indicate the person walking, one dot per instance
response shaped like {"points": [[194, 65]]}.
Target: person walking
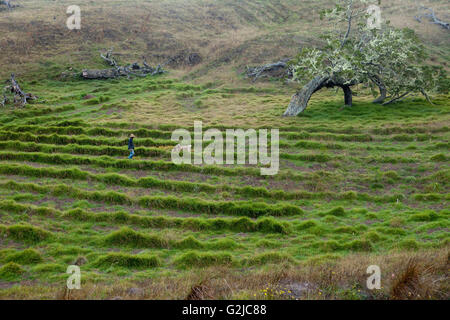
{"points": [[131, 146]]}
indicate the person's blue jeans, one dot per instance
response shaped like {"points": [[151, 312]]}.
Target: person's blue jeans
{"points": [[131, 154]]}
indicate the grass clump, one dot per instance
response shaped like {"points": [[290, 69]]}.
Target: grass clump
{"points": [[27, 256], [128, 237], [11, 271], [27, 233], [189, 243], [267, 258], [130, 261], [201, 260], [337, 212], [439, 157], [408, 244], [267, 244], [308, 224], [359, 245], [49, 268]]}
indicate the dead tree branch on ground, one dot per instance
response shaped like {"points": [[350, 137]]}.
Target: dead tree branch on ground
{"points": [[117, 71], [277, 69], [425, 12], [20, 97], [8, 4]]}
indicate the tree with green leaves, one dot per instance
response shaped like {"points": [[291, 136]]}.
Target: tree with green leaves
{"points": [[360, 50]]}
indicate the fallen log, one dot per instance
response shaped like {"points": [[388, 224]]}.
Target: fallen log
{"points": [[118, 71], [278, 69]]}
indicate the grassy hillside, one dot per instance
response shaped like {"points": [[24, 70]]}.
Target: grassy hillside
{"points": [[369, 181], [357, 186], [228, 34]]}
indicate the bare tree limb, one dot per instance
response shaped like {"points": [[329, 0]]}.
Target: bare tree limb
{"points": [[397, 98], [109, 58], [349, 21], [20, 97], [427, 96], [8, 4]]}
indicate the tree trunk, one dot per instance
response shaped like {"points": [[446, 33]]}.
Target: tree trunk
{"points": [[300, 100], [347, 95], [383, 91]]}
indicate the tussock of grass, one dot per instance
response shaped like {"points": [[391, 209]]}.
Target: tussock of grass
{"points": [[128, 237], [124, 260], [268, 258], [53, 268], [338, 212], [201, 260], [189, 243], [11, 271], [26, 233], [27, 256], [409, 244]]}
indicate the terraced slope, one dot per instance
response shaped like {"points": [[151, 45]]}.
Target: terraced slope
{"points": [[369, 180]]}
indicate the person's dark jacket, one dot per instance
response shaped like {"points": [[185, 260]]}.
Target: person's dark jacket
{"points": [[130, 144]]}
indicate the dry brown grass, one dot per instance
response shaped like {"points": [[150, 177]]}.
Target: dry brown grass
{"points": [[227, 34], [424, 276]]}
